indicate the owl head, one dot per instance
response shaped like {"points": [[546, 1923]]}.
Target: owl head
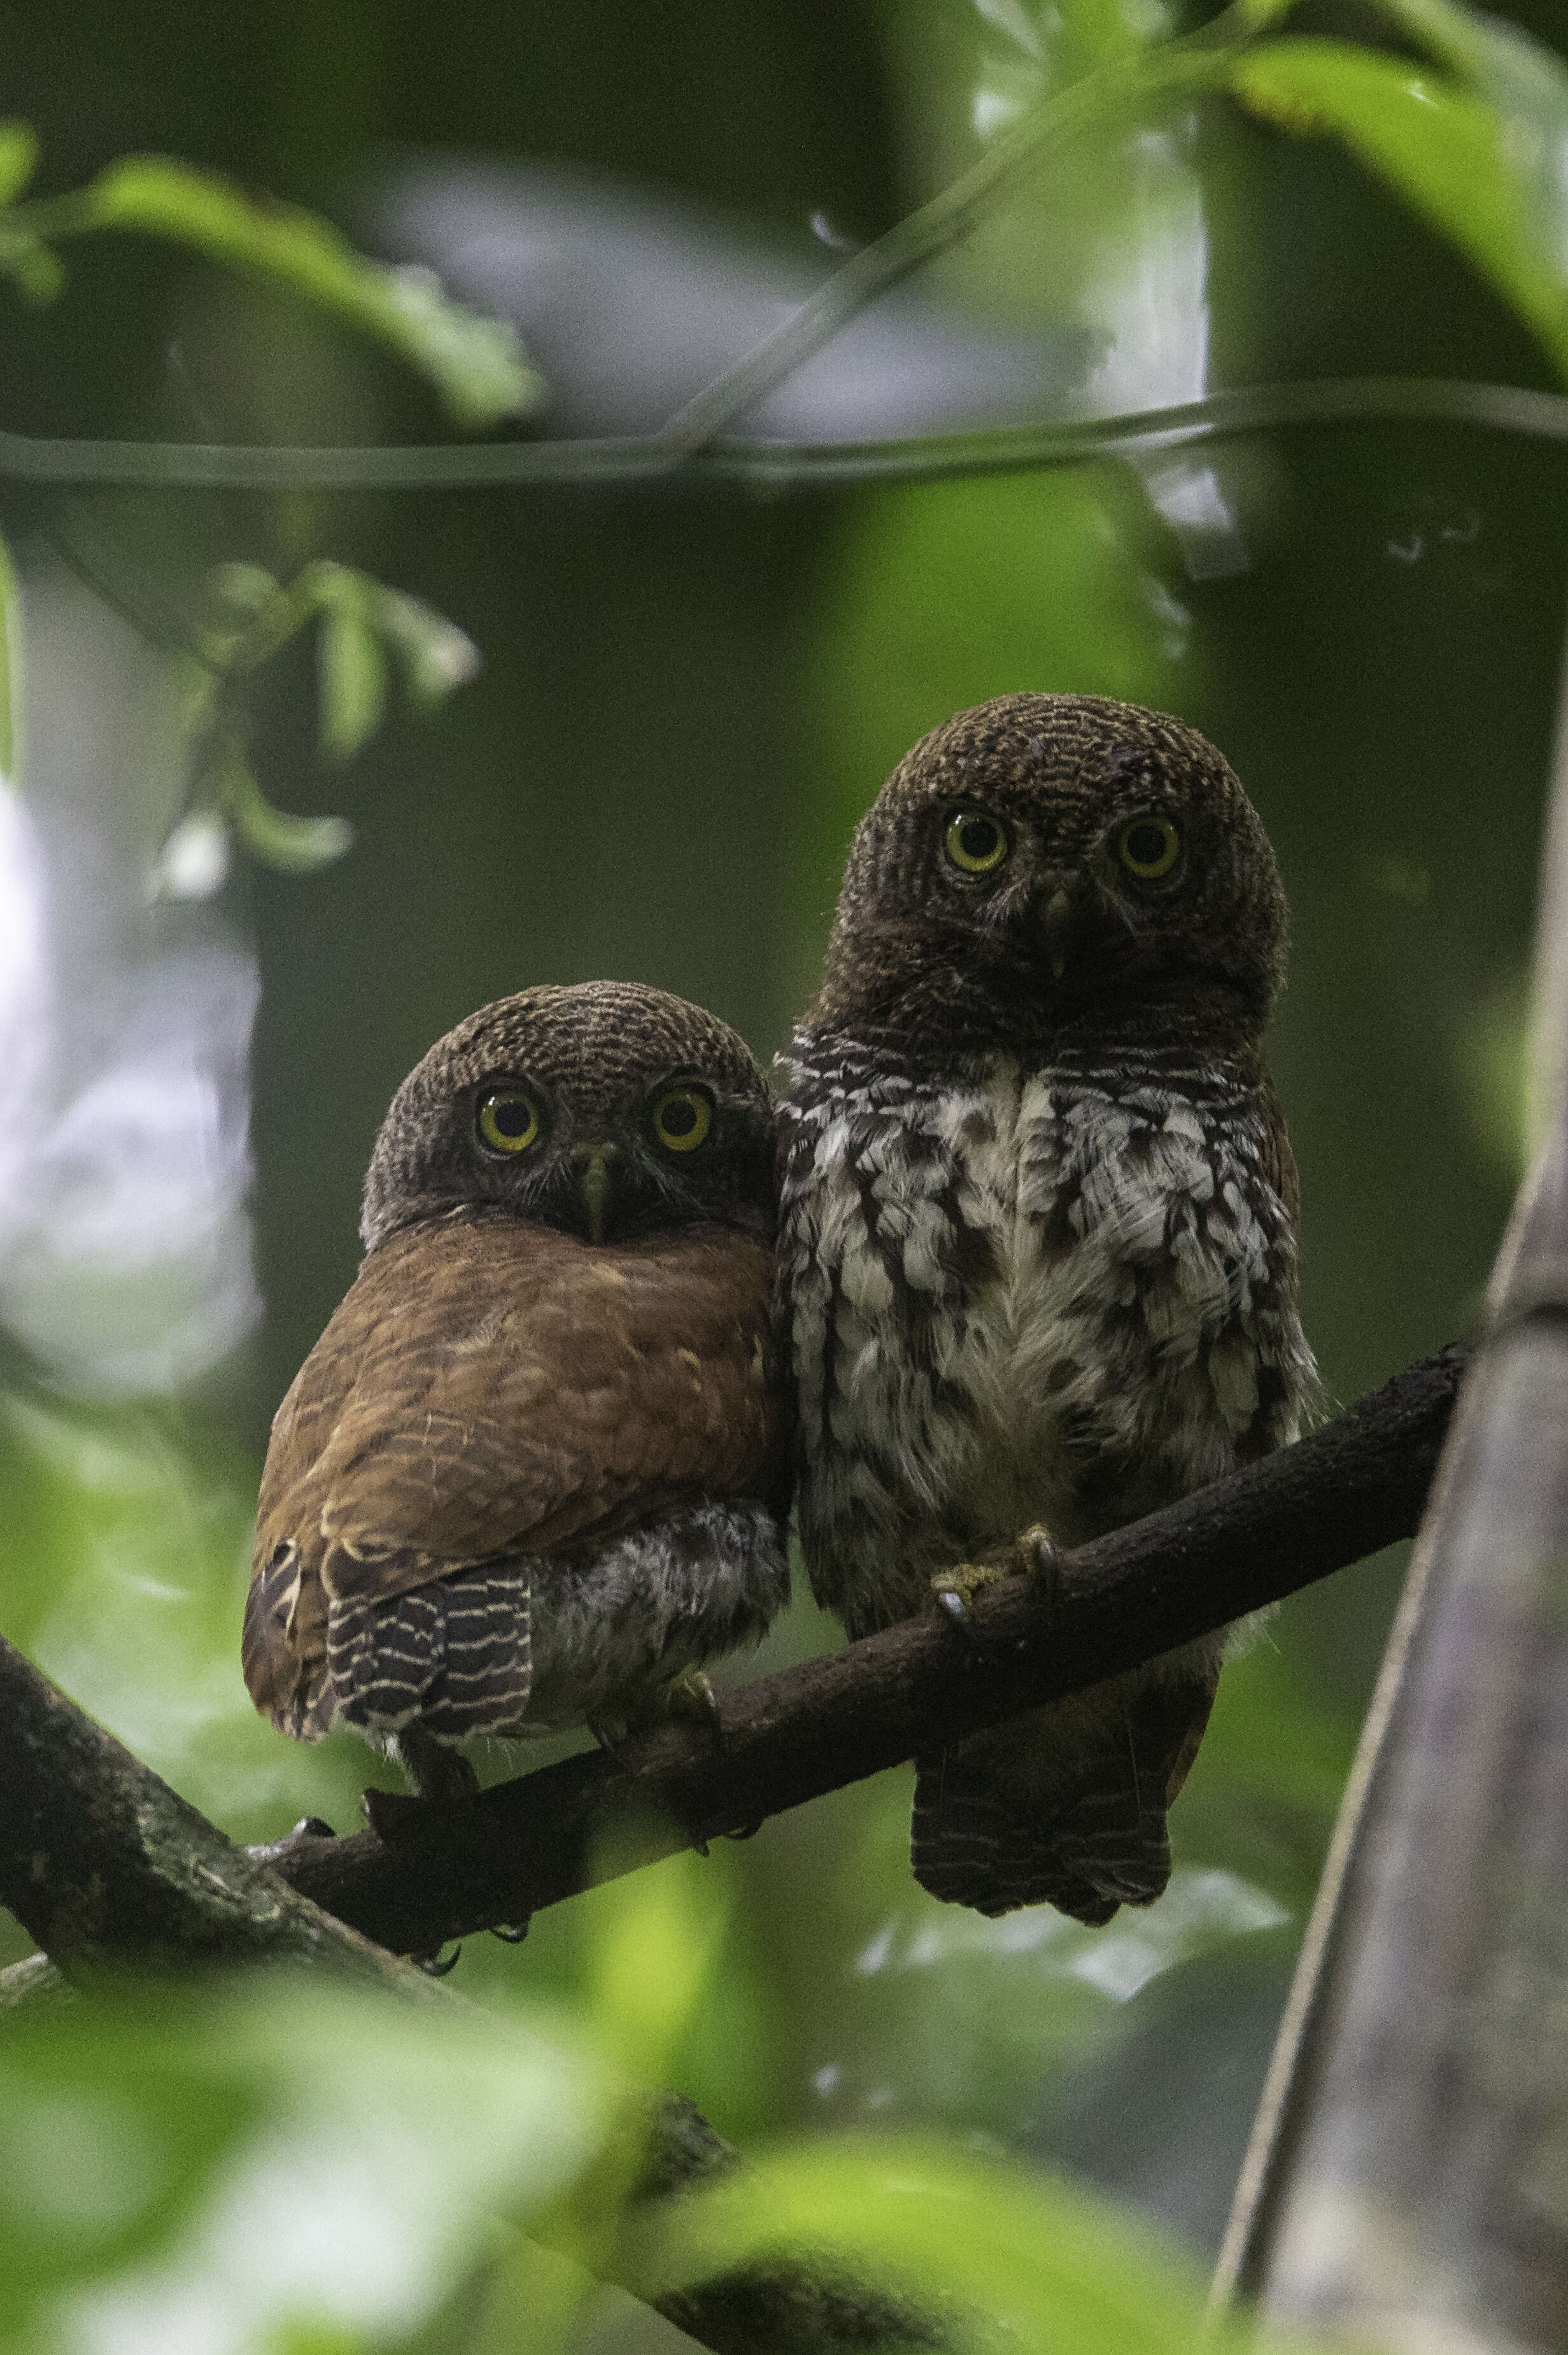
{"points": [[1047, 864], [606, 1110]]}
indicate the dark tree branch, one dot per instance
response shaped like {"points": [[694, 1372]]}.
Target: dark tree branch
{"points": [[101, 1862], [421, 1878], [106, 1866]]}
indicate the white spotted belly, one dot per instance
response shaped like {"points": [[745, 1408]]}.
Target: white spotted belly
{"points": [[1022, 1298]]}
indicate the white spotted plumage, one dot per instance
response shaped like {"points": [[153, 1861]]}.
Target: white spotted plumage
{"points": [[1038, 1251], [1062, 1296]]}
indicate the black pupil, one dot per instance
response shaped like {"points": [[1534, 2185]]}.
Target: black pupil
{"points": [[678, 1117], [1147, 845], [511, 1116], [978, 837]]}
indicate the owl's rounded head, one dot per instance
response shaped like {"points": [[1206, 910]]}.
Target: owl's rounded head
{"points": [[607, 1110], [1047, 865]]}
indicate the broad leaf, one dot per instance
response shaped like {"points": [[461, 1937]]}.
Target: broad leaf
{"points": [[18, 157], [273, 835], [1446, 150], [1054, 2267], [352, 674], [1526, 85], [477, 364], [286, 2152]]}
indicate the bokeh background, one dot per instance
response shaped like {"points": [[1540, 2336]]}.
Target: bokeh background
{"points": [[687, 698]]}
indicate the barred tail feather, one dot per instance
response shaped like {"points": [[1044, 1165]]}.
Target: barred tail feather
{"points": [[1009, 1820], [454, 1656]]}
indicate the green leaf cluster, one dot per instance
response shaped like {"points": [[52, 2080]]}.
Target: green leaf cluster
{"points": [[366, 633], [477, 365]]}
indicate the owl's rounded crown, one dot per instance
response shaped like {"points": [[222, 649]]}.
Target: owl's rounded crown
{"points": [[604, 1108], [1047, 864]]}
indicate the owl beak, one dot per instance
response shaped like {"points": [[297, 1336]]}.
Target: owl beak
{"points": [[1060, 922], [594, 1161]]}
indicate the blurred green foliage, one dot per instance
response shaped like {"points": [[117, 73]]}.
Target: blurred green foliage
{"points": [[476, 364], [684, 709]]}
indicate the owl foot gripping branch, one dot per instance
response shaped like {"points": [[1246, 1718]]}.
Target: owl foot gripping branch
{"points": [[1036, 1270]]}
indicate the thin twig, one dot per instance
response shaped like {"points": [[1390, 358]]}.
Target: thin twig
{"points": [[1198, 61], [633, 461]]}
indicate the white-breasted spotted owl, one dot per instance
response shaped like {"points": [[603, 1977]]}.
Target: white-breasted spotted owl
{"points": [[1037, 1247]]}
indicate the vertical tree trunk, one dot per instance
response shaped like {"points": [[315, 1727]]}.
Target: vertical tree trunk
{"points": [[1407, 2181]]}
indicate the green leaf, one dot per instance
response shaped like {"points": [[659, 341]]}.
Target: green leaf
{"points": [[1103, 31], [656, 1938], [1050, 2264], [18, 155], [477, 364], [298, 845], [1446, 151], [351, 670], [1526, 85], [10, 667], [245, 590], [286, 2153], [35, 270], [436, 654]]}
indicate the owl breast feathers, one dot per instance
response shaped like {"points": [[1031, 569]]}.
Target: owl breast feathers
{"points": [[1037, 1234], [534, 1468]]}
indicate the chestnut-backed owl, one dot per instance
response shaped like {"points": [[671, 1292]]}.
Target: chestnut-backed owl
{"points": [[1038, 1249], [533, 1472]]}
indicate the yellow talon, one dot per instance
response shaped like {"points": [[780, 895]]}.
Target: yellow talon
{"points": [[691, 1696], [1031, 1555]]}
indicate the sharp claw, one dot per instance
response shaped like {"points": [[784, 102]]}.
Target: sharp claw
{"points": [[439, 1774], [609, 1742], [307, 1827], [438, 1965], [692, 1698], [394, 1817], [511, 1934], [957, 1609], [1046, 1568]]}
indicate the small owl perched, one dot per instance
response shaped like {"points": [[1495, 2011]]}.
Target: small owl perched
{"points": [[1038, 1257], [533, 1472]]}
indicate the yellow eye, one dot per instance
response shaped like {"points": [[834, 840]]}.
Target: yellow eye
{"points": [[976, 844], [1149, 847], [682, 1118], [508, 1122]]}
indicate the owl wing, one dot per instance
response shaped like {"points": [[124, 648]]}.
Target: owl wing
{"points": [[487, 1388]]}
